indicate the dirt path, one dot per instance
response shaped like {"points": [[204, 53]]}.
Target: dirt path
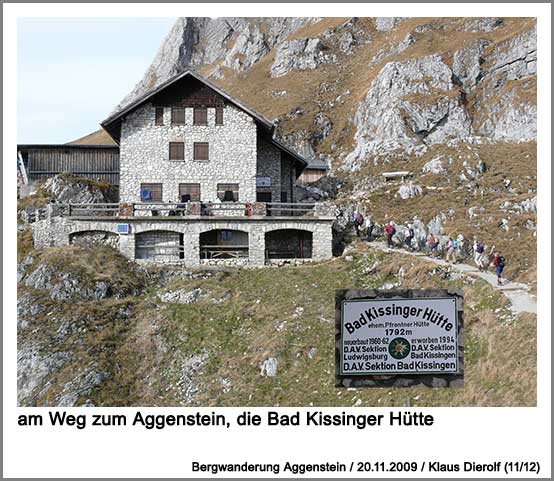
{"points": [[517, 293]]}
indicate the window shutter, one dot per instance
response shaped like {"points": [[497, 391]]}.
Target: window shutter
{"points": [[201, 151], [176, 151], [200, 116], [219, 115], [177, 116], [159, 116]]}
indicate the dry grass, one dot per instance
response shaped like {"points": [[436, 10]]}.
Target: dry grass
{"points": [[99, 137]]}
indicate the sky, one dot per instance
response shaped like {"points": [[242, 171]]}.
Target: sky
{"points": [[72, 72]]}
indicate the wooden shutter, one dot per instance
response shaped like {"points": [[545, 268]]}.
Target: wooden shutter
{"points": [[159, 116], [200, 116], [177, 116], [201, 151], [219, 115], [222, 188], [176, 151], [155, 192], [193, 190]]}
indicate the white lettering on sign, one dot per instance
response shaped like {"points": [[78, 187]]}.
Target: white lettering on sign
{"points": [[399, 336]]}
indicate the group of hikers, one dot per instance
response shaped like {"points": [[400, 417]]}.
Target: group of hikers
{"points": [[452, 247]]}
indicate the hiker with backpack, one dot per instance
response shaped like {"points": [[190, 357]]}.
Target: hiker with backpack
{"points": [[390, 230], [433, 244], [409, 236], [499, 262], [358, 223], [479, 254], [369, 228], [451, 247]]}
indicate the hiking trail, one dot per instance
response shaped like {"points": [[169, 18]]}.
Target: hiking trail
{"points": [[516, 292]]}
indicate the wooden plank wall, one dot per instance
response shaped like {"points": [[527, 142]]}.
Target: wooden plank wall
{"points": [[98, 163]]}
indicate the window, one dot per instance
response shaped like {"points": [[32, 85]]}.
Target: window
{"points": [[228, 192], [177, 116], [201, 151], [151, 192], [189, 192], [176, 151], [159, 116], [200, 116], [219, 115], [283, 196]]}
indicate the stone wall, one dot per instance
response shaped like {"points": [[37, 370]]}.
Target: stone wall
{"points": [[144, 154], [269, 165], [236, 155], [56, 231]]}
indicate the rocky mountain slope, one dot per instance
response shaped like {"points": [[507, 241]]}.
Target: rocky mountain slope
{"points": [[451, 100]]}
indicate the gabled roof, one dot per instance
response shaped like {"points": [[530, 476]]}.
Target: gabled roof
{"points": [[113, 123]]}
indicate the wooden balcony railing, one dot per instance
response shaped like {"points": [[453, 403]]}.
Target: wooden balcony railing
{"points": [[189, 209]]}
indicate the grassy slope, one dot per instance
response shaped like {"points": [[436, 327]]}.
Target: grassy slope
{"points": [[98, 137], [284, 314]]}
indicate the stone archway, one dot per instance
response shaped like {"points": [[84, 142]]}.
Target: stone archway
{"points": [[288, 244], [224, 244], [159, 245], [94, 237]]}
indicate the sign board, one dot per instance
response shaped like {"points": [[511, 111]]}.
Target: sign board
{"points": [[399, 336], [263, 181], [122, 228]]}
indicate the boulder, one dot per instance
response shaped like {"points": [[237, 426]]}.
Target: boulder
{"points": [[181, 296], [409, 190], [269, 367], [299, 54]]}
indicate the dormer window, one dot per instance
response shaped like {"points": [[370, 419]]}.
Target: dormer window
{"points": [[177, 116], [200, 116]]}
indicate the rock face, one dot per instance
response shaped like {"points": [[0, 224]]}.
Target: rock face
{"points": [[408, 106], [66, 188], [232, 42], [298, 54], [419, 85], [505, 104]]}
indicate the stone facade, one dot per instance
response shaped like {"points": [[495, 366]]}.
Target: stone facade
{"points": [[57, 231], [237, 155]]}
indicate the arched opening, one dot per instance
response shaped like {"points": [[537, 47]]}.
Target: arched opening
{"points": [[159, 245], [288, 244], [223, 244], [94, 237]]}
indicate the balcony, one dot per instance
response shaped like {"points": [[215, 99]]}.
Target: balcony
{"points": [[189, 210]]}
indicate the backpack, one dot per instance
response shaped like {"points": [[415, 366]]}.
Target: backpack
{"points": [[454, 244], [479, 249], [412, 233], [360, 219], [392, 230], [501, 261]]}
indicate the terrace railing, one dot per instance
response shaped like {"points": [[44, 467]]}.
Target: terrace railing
{"points": [[189, 209]]}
